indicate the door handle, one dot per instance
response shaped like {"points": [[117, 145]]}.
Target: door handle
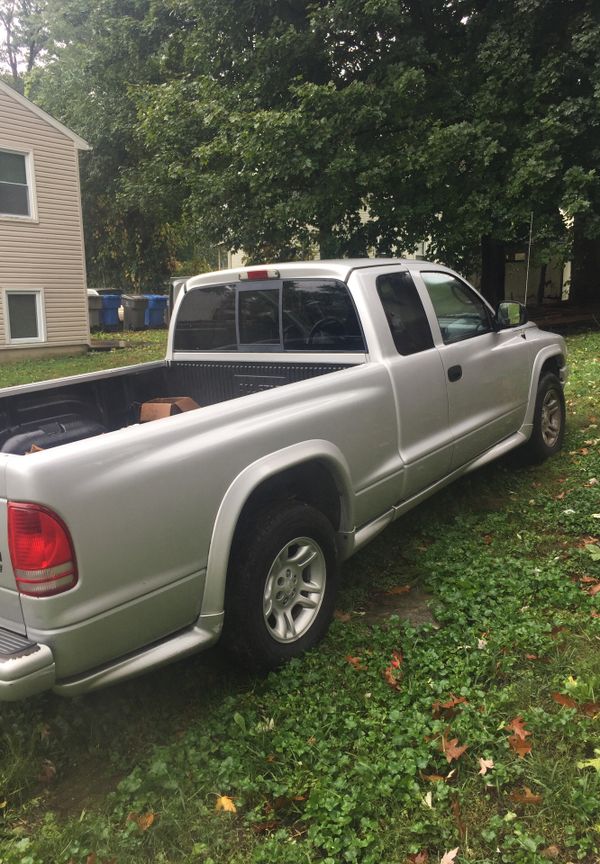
{"points": [[454, 373]]}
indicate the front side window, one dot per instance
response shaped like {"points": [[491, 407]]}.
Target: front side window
{"points": [[275, 315], [405, 314], [14, 185], [461, 314], [24, 316]]}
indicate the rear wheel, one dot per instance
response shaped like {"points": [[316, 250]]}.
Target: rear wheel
{"points": [[281, 586], [548, 419]]}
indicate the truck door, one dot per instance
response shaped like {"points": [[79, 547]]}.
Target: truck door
{"points": [[486, 372], [418, 381]]}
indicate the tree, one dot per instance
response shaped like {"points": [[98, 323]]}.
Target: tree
{"points": [[23, 37], [102, 53]]}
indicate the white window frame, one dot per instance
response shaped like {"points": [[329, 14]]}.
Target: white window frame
{"points": [[40, 314], [30, 177]]}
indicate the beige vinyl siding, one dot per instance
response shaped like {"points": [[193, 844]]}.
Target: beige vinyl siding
{"points": [[45, 253]]}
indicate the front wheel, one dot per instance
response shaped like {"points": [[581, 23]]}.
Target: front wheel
{"points": [[548, 419], [281, 586]]}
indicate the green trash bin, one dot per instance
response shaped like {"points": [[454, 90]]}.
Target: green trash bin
{"points": [[134, 311]]}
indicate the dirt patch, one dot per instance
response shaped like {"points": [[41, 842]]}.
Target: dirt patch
{"points": [[83, 786], [412, 606]]}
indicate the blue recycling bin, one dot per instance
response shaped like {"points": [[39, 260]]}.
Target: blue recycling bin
{"points": [[156, 310], [109, 316]]}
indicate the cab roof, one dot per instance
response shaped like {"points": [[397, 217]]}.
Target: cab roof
{"points": [[335, 269]]}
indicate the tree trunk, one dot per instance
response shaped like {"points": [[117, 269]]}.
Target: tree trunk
{"points": [[541, 284], [493, 267], [328, 243], [585, 267]]}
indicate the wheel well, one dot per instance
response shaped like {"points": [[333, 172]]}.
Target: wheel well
{"points": [[310, 482], [553, 364]]}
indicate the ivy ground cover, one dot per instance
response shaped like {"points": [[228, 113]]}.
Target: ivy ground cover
{"points": [[470, 739]]}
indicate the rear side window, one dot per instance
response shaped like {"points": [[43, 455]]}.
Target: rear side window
{"points": [[275, 315], [206, 320], [405, 314]]}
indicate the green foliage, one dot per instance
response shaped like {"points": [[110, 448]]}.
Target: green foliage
{"points": [[324, 760], [344, 127], [103, 52]]}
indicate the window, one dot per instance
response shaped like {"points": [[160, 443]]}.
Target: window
{"points": [[15, 197], [318, 315], [461, 314], [404, 312], [24, 316], [274, 315]]}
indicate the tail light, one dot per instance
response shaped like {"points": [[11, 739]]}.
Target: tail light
{"points": [[41, 551]]}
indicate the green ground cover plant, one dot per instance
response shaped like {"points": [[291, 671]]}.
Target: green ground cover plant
{"points": [[139, 347], [470, 739]]}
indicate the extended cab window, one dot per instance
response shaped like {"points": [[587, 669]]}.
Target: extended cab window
{"points": [[274, 315], [405, 314], [461, 314]]}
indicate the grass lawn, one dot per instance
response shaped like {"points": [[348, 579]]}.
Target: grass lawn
{"points": [[392, 743], [140, 347]]}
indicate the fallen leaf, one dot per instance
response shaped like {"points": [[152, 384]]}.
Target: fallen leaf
{"points": [[517, 726], [550, 852], [400, 589], [525, 797], [91, 858], [566, 701], [520, 747], [584, 451], [393, 673], [344, 617], [44, 732], [591, 708], [224, 804], [356, 663], [595, 614], [271, 758], [447, 706], [588, 580], [142, 820], [591, 763], [434, 778], [487, 539], [451, 750], [47, 772], [418, 857], [449, 857], [531, 657], [485, 765], [428, 800], [282, 802], [594, 590], [560, 496], [457, 816]]}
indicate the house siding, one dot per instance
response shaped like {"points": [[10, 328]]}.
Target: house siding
{"points": [[46, 253]]}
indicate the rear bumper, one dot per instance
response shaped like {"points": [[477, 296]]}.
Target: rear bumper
{"points": [[26, 668]]}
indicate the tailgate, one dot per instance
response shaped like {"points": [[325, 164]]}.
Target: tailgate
{"points": [[11, 614]]}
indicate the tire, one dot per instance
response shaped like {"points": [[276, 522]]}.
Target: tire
{"points": [[281, 586], [548, 420]]}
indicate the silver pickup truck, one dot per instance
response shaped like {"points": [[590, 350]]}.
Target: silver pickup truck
{"points": [[333, 396]]}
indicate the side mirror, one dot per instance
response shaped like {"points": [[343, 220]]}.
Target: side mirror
{"points": [[510, 314]]}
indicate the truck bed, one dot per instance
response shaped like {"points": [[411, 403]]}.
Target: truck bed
{"points": [[55, 413]]}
